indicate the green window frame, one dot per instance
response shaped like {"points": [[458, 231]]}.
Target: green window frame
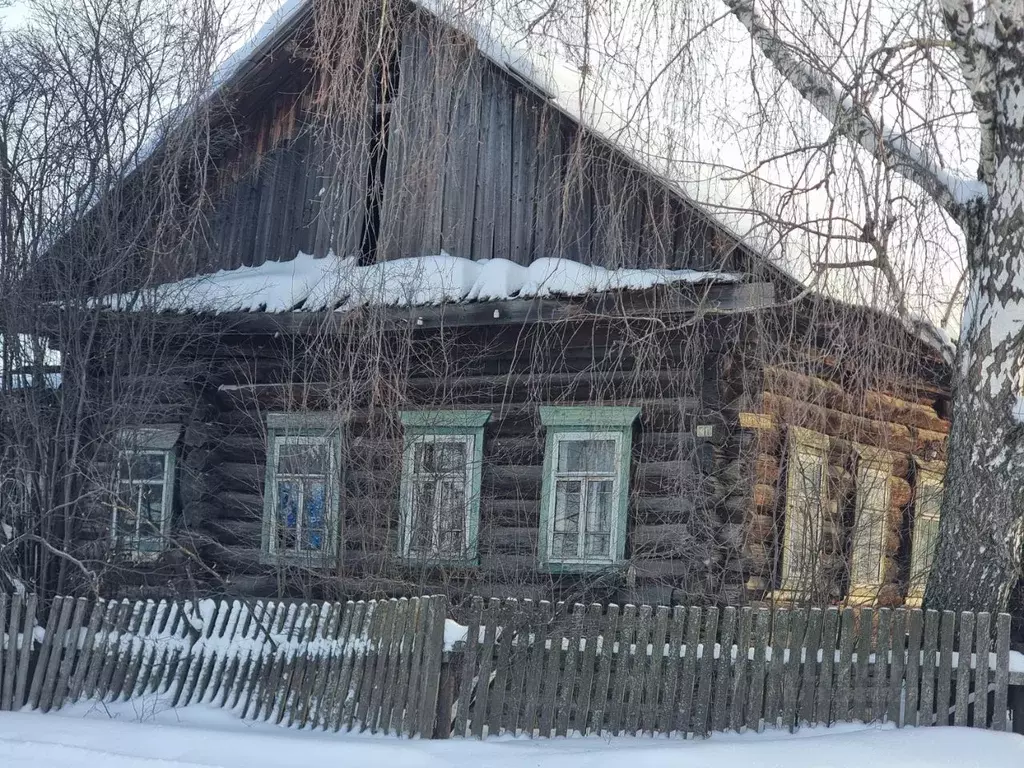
{"points": [[569, 493], [144, 489], [442, 460], [301, 503]]}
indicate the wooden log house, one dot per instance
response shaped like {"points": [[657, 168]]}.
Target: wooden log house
{"points": [[710, 435]]}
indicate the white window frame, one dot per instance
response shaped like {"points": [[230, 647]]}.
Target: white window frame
{"points": [[153, 440], [409, 480], [803, 445], [929, 475], [301, 429], [584, 479], [131, 545]]}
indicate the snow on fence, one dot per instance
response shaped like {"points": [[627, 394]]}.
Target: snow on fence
{"points": [[370, 665], [532, 669]]}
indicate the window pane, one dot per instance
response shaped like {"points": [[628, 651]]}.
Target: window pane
{"points": [[567, 505], [922, 548], [151, 505], [142, 466], [288, 493], [440, 457], [599, 506], [303, 458], [315, 511], [424, 494], [596, 456], [127, 509], [869, 526], [598, 545], [564, 545]]}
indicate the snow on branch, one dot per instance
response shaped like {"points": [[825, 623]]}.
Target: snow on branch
{"points": [[912, 161]]}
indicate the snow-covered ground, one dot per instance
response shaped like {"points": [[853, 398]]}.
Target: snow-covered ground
{"points": [[146, 735]]}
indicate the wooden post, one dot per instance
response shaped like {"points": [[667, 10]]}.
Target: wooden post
{"points": [[451, 674]]}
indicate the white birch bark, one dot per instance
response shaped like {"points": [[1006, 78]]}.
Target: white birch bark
{"points": [[981, 537]]}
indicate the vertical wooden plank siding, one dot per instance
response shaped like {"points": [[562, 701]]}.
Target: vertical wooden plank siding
{"points": [[1000, 722]]}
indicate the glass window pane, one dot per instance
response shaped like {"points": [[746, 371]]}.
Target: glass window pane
{"points": [[869, 526], [922, 548], [151, 505], [598, 545], [596, 456], [599, 506], [303, 458], [567, 505], [288, 494], [440, 457], [142, 466], [315, 510], [421, 535], [564, 545]]}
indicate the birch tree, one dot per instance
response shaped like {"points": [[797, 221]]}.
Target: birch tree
{"points": [[978, 562]]}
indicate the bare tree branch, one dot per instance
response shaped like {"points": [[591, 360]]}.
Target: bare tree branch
{"points": [[952, 193]]}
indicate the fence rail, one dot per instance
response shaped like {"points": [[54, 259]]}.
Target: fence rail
{"points": [[523, 667], [535, 669]]}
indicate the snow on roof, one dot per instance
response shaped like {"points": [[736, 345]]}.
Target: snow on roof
{"points": [[310, 284]]}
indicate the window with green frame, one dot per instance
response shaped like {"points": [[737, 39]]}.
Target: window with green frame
{"points": [[924, 537], [585, 486], [440, 493], [301, 524]]}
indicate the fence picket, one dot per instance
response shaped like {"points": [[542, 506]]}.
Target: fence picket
{"points": [[638, 670], [129, 647], [706, 663], [719, 719], [791, 676], [755, 696], [417, 665], [621, 651], [352, 625], [603, 681], [658, 648], [670, 684], [291, 690], [861, 682], [44, 654], [375, 683], [688, 676], [71, 650], [362, 678], [943, 691], [387, 706], [11, 652], [486, 662], [963, 669], [922, 645], [502, 669], [470, 664], [5, 641], [552, 667], [738, 697], [588, 665], [808, 681], [1000, 722], [983, 625], [773, 684], [880, 669], [844, 670], [57, 647], [826, 686], [898, 648], [432, 671], [568, 685]]}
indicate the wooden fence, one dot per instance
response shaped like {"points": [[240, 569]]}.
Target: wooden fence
{"points": [[368, 665], [532, 669]]}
